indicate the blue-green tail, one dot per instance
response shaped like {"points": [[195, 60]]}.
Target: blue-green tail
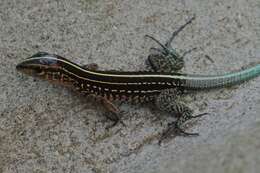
{"points": [[204, 82]]}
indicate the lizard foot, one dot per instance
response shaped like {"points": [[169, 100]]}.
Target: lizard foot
{"points": [[174, 130], [114, 118]]}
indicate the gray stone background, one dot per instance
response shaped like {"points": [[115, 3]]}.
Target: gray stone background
{"points": [[48, 128]]}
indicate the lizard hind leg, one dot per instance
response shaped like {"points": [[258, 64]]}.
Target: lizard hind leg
{"points": [[174, 128], [169, 101], [175, 33], [159, 62], [166, 59]]}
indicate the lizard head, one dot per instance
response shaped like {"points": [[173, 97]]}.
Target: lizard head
{"points": [[40, 65]]}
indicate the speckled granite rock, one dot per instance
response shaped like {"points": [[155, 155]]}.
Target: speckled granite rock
{"points": [[47, 128], [238, 152]]}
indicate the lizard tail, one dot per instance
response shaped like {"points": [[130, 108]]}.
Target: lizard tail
{"points": [[207, 82]]}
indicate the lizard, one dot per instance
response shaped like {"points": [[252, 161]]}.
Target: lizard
{"points": [[163, 86]]}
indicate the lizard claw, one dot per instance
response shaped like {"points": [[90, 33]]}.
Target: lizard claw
{"points": [[115, 119], [174, 130], [200, 115], [114, 123]]}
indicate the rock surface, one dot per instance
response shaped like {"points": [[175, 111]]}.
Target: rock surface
{"points": [[48, 128]]}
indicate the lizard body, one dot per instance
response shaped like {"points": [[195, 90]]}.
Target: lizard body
{"points": [[161, 86]]}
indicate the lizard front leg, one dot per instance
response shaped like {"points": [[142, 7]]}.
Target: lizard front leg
{"points": [[112, 111], [169, 101]]}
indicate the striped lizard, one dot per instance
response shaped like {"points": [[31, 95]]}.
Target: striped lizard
{"points": [[163, 86]]}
